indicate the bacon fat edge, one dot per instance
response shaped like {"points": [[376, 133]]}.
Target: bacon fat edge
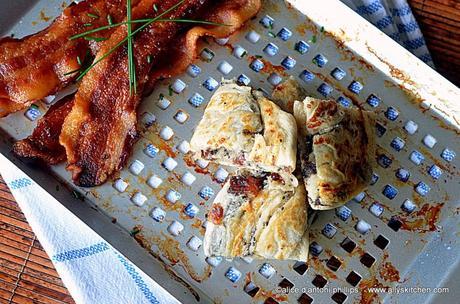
{"points": [[92, 164], [37, 66]]}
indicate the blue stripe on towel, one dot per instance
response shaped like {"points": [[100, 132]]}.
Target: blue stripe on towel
{"points": [[370, 8], [399, 12], [408, 27], [414, 43], [426, 57], [138, 279], [395, 36], [20, 183], [384, 22], [80, 253]]}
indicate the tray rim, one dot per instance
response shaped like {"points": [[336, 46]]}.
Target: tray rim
{"points": [[385, 54], [422, 81]]}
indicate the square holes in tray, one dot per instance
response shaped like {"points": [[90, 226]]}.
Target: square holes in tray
{"points": [[407, 169]]}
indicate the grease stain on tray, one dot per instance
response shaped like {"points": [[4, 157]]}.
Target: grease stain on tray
{"points": [[260, 293], [42, 17], [152, 135], [190, 162], [171, 250], [268, 66], [368, 297], [387, 271], [198, 224], [318, 265], [423, 220], [341, 39]]}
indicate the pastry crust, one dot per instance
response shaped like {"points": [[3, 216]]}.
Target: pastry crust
{"points": [[244, 129], [262, 215], [229, 123], [277, 146], [337, 151], [287, 92]]}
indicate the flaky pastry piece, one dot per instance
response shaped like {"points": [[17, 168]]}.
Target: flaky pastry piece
{"points": [[258, 214], [242, 128], [337, 151], [287, 92]]}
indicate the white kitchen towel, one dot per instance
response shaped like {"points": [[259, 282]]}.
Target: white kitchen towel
{"points": [[91, 269], [394, 18]]}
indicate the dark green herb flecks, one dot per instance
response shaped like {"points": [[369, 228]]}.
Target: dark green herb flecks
{"points": [[271, 34], [97, 39], [77, 195], [135, 231], [72, 72], [83, 73], [170, 90], [145, 21], [81, 63], [128, 38]]}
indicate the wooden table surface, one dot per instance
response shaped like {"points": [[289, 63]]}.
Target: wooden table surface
{"points": [[26, 272], [439, 21]]}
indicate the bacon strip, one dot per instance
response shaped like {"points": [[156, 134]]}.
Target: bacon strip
{"points": [[99, 132], [43, 144], [35, 66], [232, 13]]}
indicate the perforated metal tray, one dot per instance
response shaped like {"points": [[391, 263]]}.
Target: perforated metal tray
{"points": [[331, 51]]}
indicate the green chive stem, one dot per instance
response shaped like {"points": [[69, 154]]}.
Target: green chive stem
{"points": [[71, 72], [126, 38], [142, 21], [131, 64], [97, 39]]}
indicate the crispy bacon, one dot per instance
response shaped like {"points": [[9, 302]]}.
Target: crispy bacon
{"points": [[246, 185], [233, 13], [36, 66], [44, 144], [95, 132], [216, 215], [100, 130]]}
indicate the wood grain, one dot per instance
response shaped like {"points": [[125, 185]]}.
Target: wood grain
{"points": [[439, 21], [26, 272]]}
